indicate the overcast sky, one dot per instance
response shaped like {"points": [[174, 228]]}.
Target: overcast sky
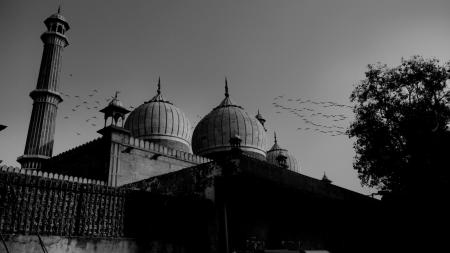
{"points": [[316, 50]]}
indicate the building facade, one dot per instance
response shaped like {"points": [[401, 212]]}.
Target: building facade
{"points": [[150, 185]]}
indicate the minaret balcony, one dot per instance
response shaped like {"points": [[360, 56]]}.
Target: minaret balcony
{"points": [[50, 37], [46, 95]]}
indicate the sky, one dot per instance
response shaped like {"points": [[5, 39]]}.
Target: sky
{"points": [[304, 51]]}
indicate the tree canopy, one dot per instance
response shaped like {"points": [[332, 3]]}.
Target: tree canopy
{"points": [[400, 126]]}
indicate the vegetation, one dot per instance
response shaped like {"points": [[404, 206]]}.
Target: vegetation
{"points": [[400, 126]]}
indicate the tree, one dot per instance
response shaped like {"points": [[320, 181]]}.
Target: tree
{"points": [[400, 126]]}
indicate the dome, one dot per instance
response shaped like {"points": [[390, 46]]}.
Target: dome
{"points": [[276, 151], [158, 120], [212, 134]]}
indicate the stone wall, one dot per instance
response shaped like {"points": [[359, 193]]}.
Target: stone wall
{"points": [[57, 244], [133, 159], [196, 181], [52, 204], [89, 160]]}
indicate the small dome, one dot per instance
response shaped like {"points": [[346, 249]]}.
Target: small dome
{"points": [[212, 134], [158, 120], [276, 151]]}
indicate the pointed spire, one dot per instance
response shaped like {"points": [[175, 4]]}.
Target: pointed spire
{"points": [[159, 86], [59, 9], [275, 137], [326, 179], [261, 119], [158, 97], [226, 87]]}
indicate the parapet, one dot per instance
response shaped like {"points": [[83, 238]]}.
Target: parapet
{"points": [[75, 150], [160, 149], [49, 175]]}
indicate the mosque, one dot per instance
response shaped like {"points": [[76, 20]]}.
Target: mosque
{"points": [[159, 187]]}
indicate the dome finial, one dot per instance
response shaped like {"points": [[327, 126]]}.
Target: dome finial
{"points": [[59, 9], [275, 137], [159, 86], [326, 179], [226, 87]]}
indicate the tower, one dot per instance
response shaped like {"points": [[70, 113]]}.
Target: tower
{"points": [[46, 96]]}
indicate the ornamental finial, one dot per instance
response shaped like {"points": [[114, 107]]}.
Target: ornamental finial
{"points": [[159, 86], [226, 87], [59, 9], [275, 137]]}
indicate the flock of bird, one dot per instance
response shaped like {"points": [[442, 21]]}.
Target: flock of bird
{"points": [[88, 105], [324, 117]]}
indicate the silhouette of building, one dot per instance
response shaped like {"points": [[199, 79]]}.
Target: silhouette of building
{"points": [[140, 187]]}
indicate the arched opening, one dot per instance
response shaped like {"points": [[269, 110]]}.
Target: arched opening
{"points": [[59, 29]]}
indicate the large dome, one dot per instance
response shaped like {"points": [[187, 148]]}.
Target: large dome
{"points": [[276, 151], [212, 134], [158, 120]]}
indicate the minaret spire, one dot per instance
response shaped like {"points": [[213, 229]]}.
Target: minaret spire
{"points": [[226, 87], [46, 96]]}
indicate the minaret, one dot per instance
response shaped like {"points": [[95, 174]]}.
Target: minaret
{"points": [[46, 96]]}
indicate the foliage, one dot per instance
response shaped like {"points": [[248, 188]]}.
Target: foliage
{"points": [[401, 117]]}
